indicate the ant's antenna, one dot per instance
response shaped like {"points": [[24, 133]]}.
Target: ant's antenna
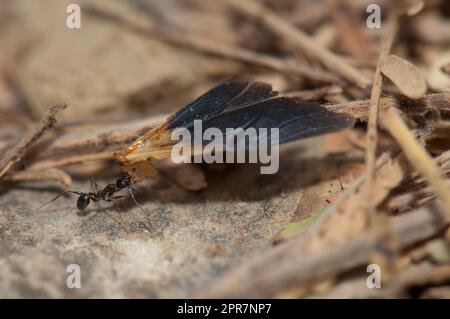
{"points": [[55, 198]]}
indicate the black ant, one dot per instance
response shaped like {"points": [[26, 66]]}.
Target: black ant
{"points": [[106, 194]]}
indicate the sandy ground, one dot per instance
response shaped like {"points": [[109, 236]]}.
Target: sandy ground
{"points": [[187, 241]]}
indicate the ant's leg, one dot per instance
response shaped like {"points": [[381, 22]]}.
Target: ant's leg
{"points": [[109, 199], [94, 185], [94, 188], [116, 197], [113, 199], [130, 189]]}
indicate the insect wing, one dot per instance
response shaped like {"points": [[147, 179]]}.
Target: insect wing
{"points": [[234, 104]]}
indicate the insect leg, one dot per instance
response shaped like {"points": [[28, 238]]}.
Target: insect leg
{"points": [[94, 185], [111, 198], [130, 189], [116, 206]]}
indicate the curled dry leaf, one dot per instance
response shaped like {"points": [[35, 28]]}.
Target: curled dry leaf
{"points": [[437, 77], [405, 75]]}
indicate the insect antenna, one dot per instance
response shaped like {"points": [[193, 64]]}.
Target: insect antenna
{"points": [[55, 198]]}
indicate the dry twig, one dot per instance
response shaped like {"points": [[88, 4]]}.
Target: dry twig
{"points": [[15, 154], [372, 133]]}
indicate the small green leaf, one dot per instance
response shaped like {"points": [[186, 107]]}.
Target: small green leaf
{"points": [[295, 228]]}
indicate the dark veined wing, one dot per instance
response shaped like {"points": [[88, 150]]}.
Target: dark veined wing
{"points": [[227, 96], [295, 118]]}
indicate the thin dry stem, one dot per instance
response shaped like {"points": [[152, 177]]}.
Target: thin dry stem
{"points": [[15, 154], [372, 132]]}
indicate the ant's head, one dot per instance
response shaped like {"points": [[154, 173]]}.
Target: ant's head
{"points": [[123, 182], [83, 201]]}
